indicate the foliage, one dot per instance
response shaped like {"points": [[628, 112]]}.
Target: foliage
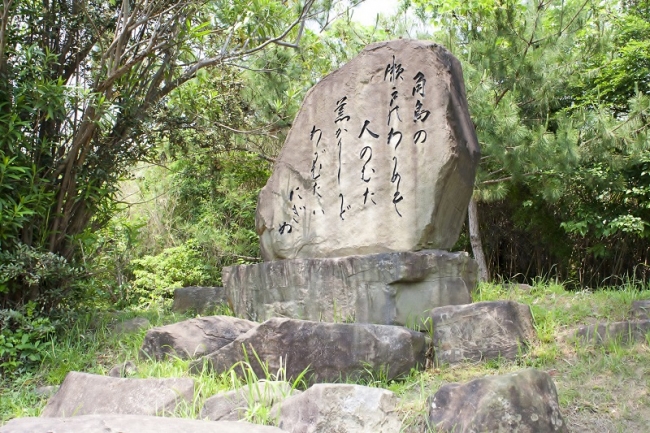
{"points": [[80, 83], [557, 95], [155, 277], [23, 336]]}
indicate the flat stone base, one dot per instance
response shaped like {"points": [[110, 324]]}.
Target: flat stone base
{"points": [[386, 289]]}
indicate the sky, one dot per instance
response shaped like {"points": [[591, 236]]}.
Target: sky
{"points": [[366, 12]]}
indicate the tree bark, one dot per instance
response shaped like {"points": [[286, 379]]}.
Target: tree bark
{"points": [[475, 240]]}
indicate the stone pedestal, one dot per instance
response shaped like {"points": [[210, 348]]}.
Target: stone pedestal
{"points": [[388, 288]]}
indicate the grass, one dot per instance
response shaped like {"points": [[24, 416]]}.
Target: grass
{"points": [[601, 388]]}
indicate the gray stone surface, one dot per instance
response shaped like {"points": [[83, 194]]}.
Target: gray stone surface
{"points": [[381, 157], [641, 310], [330, 351], [520, 402], [124, 369], [129, 424], [198, 299], [233, 405], [387, 289], [481, 331], [132, 325], [623, 332], [193, 338], [326, 408], [84, 394]]}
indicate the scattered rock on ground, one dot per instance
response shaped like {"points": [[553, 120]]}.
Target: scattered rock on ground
{"points": [[83, 393], [387, 289], [523, 402], [485, 330], [124, 369], [381, 157], [624, 332], [198, 299], [195, 337], [331, 351], [132, 325], [232, 405], [46, 391], [129, 424], [327, 407], [641, 310]]}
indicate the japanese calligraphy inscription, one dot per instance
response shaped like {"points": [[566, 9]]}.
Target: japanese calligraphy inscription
{"points": [[381, 157]]}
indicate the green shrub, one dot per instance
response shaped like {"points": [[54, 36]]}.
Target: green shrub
{"points": [[155, 277], [23, 334]]}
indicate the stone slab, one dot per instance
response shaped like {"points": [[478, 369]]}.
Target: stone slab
{"points": [[328, 407], [129, 424], [193, 338], [481, 331], [198, 299], [641, 310], [381, 157], [628, 331], [521, 402], [84, 394], [327, 352], [387, 289]]}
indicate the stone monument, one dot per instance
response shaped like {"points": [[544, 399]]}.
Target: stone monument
{"points": [[370, 188]]}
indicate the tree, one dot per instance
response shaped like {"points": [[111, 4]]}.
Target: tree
{"points": [[79, 84], [540, 146]]}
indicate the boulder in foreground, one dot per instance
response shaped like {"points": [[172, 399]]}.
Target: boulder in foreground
{"points": [[83, 394], [327, 352], [521, 402], [129, 424]]}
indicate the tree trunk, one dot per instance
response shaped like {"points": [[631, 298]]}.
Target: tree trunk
{"points": [[475, 239]]}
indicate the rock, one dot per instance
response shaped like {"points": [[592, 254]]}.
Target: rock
{"points": [[326, 408], [123, 370], [520, 402], [329, 351], [193, 338], [641, 310], [132, 325], [387, 289], [46, 391], [381, 157], [198, 299], [485, 330], [623, 332], [233, 405], [129, 424], [83, 393]]}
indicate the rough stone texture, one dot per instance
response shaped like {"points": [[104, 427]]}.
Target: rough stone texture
{"points": [[198, 299], [124, 369], [641, 310], [387, 289], [129, 424], [381, 157], [520, 402], [331, 351], [83, 394], [193, 338], [232, 405], [624, 332], [326, 408], [485, 330], [132, 325]]}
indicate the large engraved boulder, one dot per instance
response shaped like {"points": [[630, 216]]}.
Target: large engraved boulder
{"points": [[387, 289], [381, 157]]}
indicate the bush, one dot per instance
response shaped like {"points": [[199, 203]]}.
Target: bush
{"points": [[22, 339], [157, 276]]}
